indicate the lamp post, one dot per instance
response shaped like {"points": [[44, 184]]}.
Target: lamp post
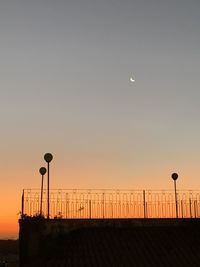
{"points": [[175, 177], [42, 171], [48, 158]]}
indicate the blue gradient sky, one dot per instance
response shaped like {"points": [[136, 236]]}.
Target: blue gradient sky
{"points": [[65, 89]]}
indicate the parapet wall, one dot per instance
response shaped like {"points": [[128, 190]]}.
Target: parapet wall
{"points": [[39, 237]]}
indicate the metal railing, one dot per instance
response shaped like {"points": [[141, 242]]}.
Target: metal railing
{"points": [[106, 203]]}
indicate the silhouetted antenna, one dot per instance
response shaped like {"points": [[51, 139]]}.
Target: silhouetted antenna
{"points": [[48, 158], [175, 177], [42, 171]]}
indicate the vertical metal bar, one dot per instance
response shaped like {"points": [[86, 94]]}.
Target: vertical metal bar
{"points": [[190, 205], [22, 214], [90, 209], [146, 210], [144, 203], [195, 210], [66, 211], [103, 204], [182, 208]]}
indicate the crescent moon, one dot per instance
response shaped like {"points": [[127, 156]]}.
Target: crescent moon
{"points": [[132, 80]]}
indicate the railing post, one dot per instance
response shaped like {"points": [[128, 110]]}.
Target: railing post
{"points": [[195, 210], [90, 209], [182, 208], [67, 208], [190, 205], [103, 204], [22, 215], [146, 211], [144, 203]]}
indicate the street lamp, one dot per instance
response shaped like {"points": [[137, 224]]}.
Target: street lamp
{"points": [[175, 177], [48, 158], [42, 171]]}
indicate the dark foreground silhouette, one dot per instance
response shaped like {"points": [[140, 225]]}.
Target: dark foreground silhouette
{"points": [[110, 246], [9, 251]]}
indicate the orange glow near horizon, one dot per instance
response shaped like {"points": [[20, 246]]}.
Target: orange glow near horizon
{"points": [[83, 178], [9, 227]]}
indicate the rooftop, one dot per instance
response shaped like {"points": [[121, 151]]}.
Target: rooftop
{"points": [[119, 243]]}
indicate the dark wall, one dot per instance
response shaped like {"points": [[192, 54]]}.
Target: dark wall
{"points": [[46, 239]]}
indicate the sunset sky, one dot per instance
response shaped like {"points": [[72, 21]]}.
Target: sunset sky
{"points": [[65, 88]]}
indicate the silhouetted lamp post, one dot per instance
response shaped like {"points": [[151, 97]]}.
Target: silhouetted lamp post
{"points": [[42, 171], [175, 177], [48, 158]]}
